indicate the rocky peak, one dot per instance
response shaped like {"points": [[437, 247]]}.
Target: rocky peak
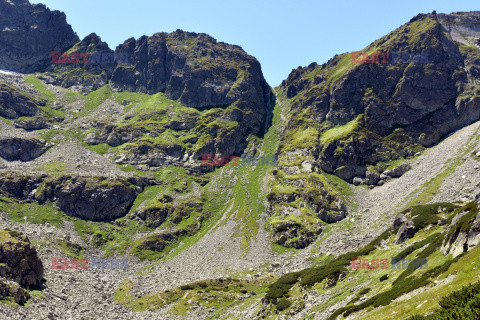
{"points": [[193, 68], [28, 34], [392, 107]]}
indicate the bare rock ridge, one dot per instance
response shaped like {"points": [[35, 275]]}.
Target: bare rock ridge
{"points": [[28, 34], [193, 68]]}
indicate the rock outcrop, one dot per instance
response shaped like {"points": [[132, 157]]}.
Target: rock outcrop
{"points": [[11, 289], [22, 149], [93, 199], [463, 233], [407, 230], [29, 33], [14, 104], [19, 260], [36, 123], [91, 72], [89, 198], [194, 69]]}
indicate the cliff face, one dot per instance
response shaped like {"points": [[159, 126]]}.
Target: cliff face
{"points": [[463, 27], [28, 34], [193, 68], [390, 109]]}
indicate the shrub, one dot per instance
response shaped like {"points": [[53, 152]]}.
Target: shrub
{"points": [[460, 304], [283, 304], [187, 287], [364, 291]]}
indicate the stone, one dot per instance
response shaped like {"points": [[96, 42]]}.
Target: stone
{"points": [[398, 221], [372, 177], [20, 262], [36, 123], [398, 171], [406, 231], [358, 181]]}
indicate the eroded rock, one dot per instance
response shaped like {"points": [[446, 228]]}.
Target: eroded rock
{"points": [[22, 149], [20, 262]]}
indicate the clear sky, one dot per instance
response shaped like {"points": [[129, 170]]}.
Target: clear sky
{"points": [[281, 34]]}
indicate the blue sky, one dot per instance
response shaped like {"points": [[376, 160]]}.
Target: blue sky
{"points": [[281, 34]]}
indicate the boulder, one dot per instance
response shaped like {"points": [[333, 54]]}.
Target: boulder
{"points": [[406, 231], [36, 123], [19, 259], [372, 177], [398, 171], [22, 149], [358, 181], [388, 173], [398, 221]]}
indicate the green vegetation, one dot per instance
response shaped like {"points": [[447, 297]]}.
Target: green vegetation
{"points": [[41, 87], [311, 276], [461, 304], [217, 293], [34, 213], [112, 239]]}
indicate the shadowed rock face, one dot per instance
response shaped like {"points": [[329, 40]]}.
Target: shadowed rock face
{"points": [[192, 68], [28, 34], [14, 149], [89, 198]]}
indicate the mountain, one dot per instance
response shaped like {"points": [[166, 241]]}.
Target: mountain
{"points": [[29, 33], [165, 179], [360, 120]]}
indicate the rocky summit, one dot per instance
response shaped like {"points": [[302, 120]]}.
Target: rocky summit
{"points": [[165, 179]]}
